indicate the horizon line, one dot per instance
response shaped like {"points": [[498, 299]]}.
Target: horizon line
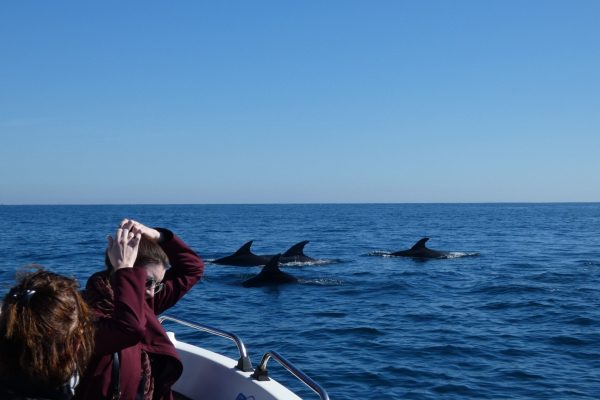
{"points": [[295, 203]]}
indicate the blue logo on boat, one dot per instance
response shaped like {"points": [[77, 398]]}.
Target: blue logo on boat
{"points": [[242, 396]]}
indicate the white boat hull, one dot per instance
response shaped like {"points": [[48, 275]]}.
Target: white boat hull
{"points": [[211, 376]]}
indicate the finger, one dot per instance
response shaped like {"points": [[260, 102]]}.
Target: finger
{"points": [[124, 235], [119, 235], [136, 226], [127, 224], [110, 241], [123, 222], [135, 241]]}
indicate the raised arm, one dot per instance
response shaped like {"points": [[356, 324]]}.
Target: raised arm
{"points": [[186, 270], [118, 298]]}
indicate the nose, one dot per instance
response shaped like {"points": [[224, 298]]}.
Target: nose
{"points": [[150, 291]]}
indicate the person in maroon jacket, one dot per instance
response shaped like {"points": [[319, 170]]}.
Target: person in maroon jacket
{"points": [[133, 357]]}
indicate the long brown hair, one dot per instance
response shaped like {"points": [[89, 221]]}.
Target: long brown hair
{"points": [[46, 331]]}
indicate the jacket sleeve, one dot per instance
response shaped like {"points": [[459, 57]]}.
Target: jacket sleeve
{"points": [[126, 326], [186, 270]]}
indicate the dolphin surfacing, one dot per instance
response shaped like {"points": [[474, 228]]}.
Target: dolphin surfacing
{"points": [[296, 254], [270, 275], [419, 250], [244, 257]]}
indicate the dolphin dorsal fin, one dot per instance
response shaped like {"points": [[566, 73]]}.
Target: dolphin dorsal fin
{"points": [[273, 264], [245, 249], [420, 244], [296, 250]]}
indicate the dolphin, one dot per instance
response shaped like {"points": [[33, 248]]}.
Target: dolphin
{"points": [[420, 251], [270, 275], [296, 254], [244, 257]]}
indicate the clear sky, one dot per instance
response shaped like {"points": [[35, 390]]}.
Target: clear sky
{"points": [[299, 101]]}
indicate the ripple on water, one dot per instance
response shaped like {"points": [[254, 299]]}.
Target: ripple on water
{"points": [[360, 274], [589, 263], [363, 332], [374, 378], [425, 317], [564, 340], [299, 264], [582, 321], [504, 305], [452, 350], [413, 373], [322, 282], [521, 375], [514, 352], [380, 253], [450, 389], [508, 289], [360, 331], [582, 355], [330, 314], [553, 277]]}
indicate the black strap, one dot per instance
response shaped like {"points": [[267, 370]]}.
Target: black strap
{"points": [[116, 385]]}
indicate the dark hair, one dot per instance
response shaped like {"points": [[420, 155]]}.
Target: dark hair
{"points": [[149, 252], [46, 330]]}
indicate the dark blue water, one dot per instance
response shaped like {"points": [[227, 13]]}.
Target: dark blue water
{"points": [[521, 320]]}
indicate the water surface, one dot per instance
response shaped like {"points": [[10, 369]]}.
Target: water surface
{"points": [[521, 320]]}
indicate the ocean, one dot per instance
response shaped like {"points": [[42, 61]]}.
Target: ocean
{"points": [[521, 320]]}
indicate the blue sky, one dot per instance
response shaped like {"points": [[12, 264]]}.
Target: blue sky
{"points": [[299, 101]]}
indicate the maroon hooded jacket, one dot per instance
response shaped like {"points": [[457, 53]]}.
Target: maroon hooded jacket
{"points": [[126, 322]]}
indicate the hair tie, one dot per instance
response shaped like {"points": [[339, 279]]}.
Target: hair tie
{"points": [[24, 295]]}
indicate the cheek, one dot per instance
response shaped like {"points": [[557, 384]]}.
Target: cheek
{"points": [[161, 275], [157, 271]]}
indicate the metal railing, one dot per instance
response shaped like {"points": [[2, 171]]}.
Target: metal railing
{"points": [[244, 363], [261, 373]]}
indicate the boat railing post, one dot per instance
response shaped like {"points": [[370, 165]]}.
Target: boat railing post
{"points": [[261, 373], [244, 363]]}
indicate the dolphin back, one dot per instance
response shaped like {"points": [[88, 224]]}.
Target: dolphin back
{"points": [[245, 249], [296, 250], [420, 244], [272, 266], [270, 275]]}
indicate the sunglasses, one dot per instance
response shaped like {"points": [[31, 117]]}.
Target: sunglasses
{"points": [[151, 283]]}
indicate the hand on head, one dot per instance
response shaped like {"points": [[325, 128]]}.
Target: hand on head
{"points": [[136, 227], [122, 251]]}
